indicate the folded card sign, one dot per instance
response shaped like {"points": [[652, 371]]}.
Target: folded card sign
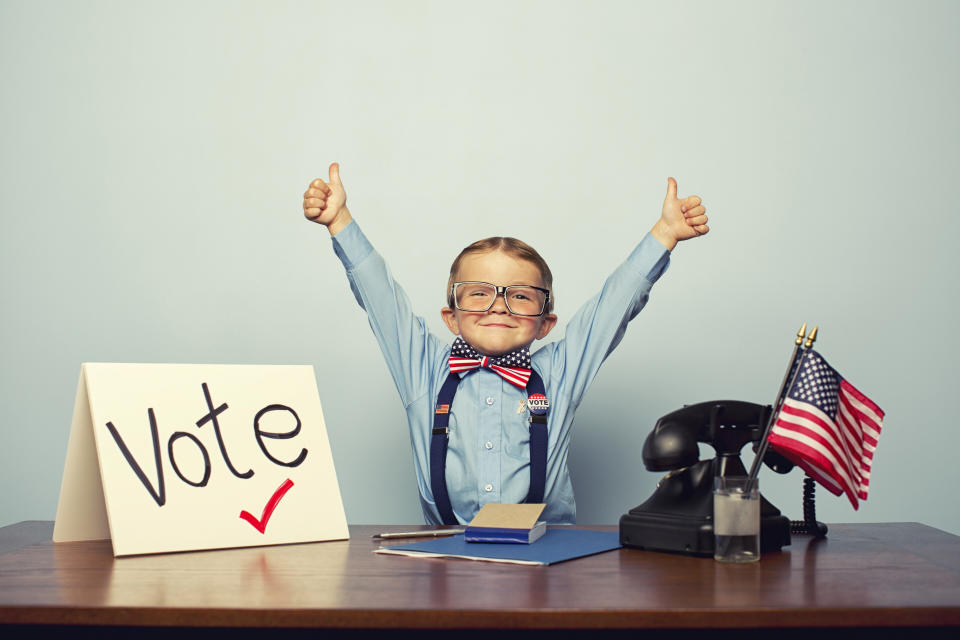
{"points": [[177, 457]]}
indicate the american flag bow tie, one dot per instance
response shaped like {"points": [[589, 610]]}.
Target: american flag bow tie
{"points": [[514, 367]]}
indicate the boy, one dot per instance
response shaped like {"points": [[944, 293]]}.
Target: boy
{"points": [[488, 421]]}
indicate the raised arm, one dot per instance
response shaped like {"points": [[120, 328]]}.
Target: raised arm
{"points": [[599, 325], [410, 350]]}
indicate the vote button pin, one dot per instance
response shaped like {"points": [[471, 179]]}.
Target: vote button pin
{"points": [[538, 404]]}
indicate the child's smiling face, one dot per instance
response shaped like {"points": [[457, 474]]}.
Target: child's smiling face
{"points": [[497, 331]]}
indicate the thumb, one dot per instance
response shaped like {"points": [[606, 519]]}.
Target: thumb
{"points": [[335, 175], [671, 189]]}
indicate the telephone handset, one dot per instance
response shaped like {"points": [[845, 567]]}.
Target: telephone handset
{"points": [[679, 515]]}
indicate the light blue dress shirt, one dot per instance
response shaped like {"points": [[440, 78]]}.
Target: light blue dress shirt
{"points": [[488, 458]]}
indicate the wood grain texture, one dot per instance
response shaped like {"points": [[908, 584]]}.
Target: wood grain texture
{"points": [[875, 575]]}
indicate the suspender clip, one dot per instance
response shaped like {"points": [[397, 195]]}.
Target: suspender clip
{"points": [[440, 430]]}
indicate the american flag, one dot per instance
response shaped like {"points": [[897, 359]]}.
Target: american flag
{"points": [[828, 428]]}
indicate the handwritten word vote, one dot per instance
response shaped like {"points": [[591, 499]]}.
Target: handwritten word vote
{"points": [[159, 492]]}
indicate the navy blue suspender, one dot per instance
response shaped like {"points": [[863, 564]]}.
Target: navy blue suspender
{"points": [[438, 447]]}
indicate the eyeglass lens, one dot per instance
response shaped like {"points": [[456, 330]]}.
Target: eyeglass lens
{"points": [[480, 296]]}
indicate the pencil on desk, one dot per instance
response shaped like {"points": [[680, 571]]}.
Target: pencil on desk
{"points": [[428, 533]]}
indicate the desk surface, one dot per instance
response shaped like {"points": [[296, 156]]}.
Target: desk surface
{"points": [[878, 575]]}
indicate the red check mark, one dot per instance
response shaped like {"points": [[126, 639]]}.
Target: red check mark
{"points": [[261, 524]]}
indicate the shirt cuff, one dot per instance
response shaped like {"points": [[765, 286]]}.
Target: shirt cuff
{"points": [[650, 258], [351, 246]]}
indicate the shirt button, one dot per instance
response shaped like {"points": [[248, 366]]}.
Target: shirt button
{"points": [[489, 445], [488, 488], [489, 400]]}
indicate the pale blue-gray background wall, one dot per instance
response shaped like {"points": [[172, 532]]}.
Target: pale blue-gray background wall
{"points": [[154, 155]]}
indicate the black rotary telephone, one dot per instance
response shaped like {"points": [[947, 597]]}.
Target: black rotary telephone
{"points": [[679, 515]]}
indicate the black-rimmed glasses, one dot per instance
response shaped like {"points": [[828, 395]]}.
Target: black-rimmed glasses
{"points": [[521, 299]]}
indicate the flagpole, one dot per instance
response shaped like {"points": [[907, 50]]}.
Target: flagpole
{"points": [[784, 387]]}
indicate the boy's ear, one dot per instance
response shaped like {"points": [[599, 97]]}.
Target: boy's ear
{"points": [[450, 319], [549, 322]]}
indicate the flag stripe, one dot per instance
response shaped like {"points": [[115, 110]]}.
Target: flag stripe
{"points": [[852, 435], [812, 459], [518, 377], [812, 439], [816, 424], [870, 408], [829, 483], [869, 420], [800, 448], [851, 432], [814, 446], [850, 402], [863, 456], [849, 439]]}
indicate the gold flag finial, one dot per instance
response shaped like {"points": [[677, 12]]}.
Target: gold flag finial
{"points": [[811, 338], [801, 334]]}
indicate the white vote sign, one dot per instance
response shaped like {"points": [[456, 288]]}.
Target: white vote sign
{"points": [[178, 457]]}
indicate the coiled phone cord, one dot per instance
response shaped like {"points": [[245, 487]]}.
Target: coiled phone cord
{"points": [[809, 524]]}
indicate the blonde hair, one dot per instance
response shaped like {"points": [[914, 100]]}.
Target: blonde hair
{"points": [[512, 247]]}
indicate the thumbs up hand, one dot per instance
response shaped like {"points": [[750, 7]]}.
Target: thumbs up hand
{"points": [[681, 218], [326, 202]]}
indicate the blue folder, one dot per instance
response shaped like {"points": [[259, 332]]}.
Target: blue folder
{"points": [[557, 545]]}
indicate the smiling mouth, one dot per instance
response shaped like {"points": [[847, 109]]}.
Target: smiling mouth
{"points": [[495, 324]]}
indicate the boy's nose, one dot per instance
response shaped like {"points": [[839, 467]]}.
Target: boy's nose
{"points": [[500, 304]]}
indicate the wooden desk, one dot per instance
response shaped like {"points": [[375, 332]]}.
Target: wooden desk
{"points": [[874, 575]]}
